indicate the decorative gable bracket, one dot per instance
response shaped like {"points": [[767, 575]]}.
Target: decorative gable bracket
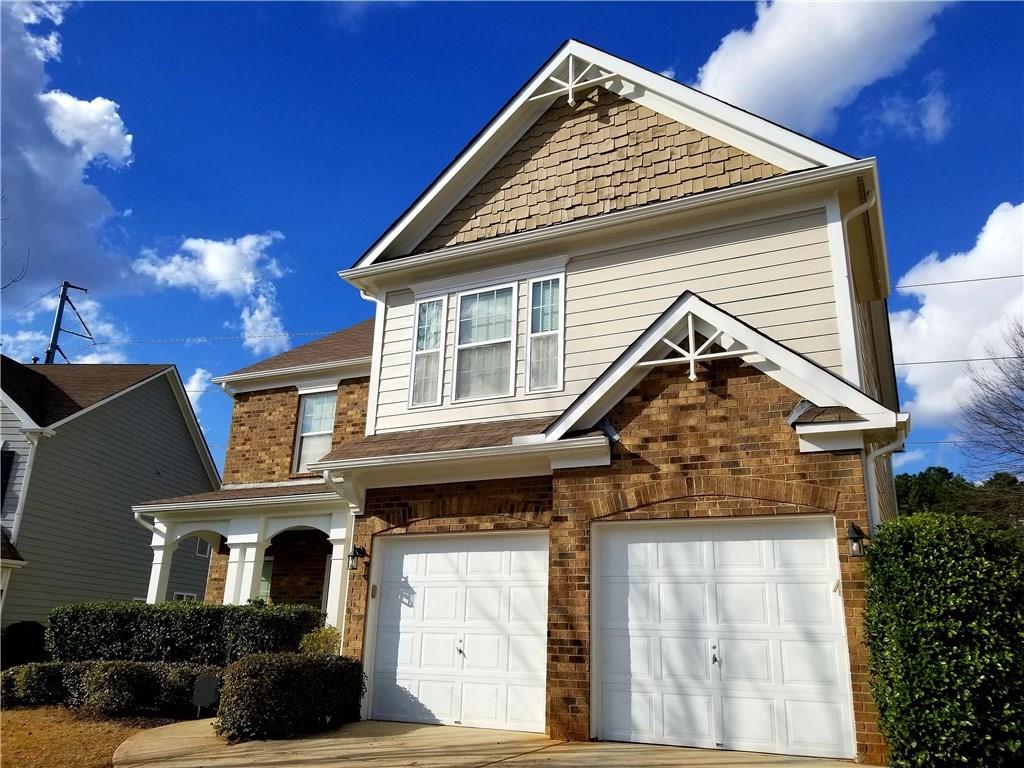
{"points": [[589, 74], [694, 354]]}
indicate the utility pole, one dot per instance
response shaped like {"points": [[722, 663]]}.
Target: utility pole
{"points": [[53, 347]]}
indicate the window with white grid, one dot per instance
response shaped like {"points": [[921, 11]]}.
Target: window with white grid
{"points": [[485, 343], [544, 341], [316, 425], [428, 352]]}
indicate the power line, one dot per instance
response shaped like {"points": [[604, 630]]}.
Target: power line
{"points": [[26, 306], [954, 282], [961, 360]]}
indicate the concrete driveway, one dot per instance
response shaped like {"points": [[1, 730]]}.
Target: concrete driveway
{"points": [[373, 744]]}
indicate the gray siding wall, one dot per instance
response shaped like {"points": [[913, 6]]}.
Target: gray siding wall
{"points": [[14, 440], [77, 533]]}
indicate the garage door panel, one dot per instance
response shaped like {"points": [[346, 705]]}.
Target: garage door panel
{"points": [[462, 620], [744, 615]]}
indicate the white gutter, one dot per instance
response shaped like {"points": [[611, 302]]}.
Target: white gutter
{"points": [[256, 501], [358, 275], [353, 368], [548, 448]]}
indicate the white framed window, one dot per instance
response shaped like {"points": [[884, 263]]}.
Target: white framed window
{"points": [[203, 548], [316, 425], [428, 351], [544, 335], [485, 344], [184, 597]]}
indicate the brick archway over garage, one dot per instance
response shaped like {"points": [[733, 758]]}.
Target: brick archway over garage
{"points": [[801, 495]]}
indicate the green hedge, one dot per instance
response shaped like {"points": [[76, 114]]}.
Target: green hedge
{"points": [[945, 628], [106, 687], [280, 695], [176, 632]]}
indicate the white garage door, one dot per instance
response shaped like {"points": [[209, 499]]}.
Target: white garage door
{"points": [[461, 629], [723, 634]]}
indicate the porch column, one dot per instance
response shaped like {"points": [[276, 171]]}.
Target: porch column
{"points": [[245, 564], [337, 580], [159, 573]]}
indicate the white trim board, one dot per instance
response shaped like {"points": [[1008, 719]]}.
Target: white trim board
{"points": [[785, 366], [326, 375], [769, 141]]}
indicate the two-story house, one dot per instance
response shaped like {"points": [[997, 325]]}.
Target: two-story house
{"points": [[603, 463], [80, 445]]}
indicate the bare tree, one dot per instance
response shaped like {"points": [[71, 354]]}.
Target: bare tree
{"points": [[993, 419]]}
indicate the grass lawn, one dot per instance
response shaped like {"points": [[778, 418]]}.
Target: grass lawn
{"points": [[46, 737]]}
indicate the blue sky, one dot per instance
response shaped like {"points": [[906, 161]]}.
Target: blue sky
{"points": [[271, 143]]}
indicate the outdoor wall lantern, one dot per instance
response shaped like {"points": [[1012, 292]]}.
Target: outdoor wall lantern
{"points": [[855, 539], [357, 554]]}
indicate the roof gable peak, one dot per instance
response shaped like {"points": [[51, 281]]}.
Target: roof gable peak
{"points": [[575, 66]]}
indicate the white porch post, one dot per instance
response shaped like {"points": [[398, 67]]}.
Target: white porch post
{"points": [[337, 582], [159, 573], [246, 546]]}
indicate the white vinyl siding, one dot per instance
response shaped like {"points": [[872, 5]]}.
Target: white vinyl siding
{"points": [[428, 352], [485, 342], [316, 426], [544, 344], [774, 274]]}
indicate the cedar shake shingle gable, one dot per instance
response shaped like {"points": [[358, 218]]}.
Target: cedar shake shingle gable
{"points": [[51, 393], [350, 343], [604, 154]]}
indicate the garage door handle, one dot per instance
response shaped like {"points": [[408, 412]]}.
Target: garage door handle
{"points": [[714, 658]]}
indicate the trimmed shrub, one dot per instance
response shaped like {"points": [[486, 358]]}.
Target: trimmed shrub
{"points": [[945, 630], [23, 642], [175, 632], [36, 684], [280, 695], [323, 641], [106, 687], [121, 687]]}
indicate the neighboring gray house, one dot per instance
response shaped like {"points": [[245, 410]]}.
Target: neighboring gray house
{"points": [[80, 445]]}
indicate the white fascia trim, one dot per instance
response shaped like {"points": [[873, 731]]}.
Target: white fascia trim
{"points": [[788, 149], [363, 277], [313, 374], [556, 450], [12, 563], [373, 394], [26, 421], [262, 501], [198, 438], [785, 366], [896, 421]]}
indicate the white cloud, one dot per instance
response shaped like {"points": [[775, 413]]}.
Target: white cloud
{"points": [[802, 62], [927, 117], [196, 387], [963, 320], [900, 460], [53, 219], [670, 72], [262, 330], [93, 129], [24, 344], [239, 268]]}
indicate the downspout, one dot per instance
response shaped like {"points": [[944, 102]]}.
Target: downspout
{"points": [[867, 204], [145, 523], [874, 513]]}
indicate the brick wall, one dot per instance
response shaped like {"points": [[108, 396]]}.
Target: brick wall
{"points": [[216, 577], [300, 563], [604, 154], [717, 447], [261, 446]]}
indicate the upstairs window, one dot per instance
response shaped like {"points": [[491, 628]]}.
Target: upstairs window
{"points": [[485, 344], [427, 353], [316, 425], [544, 342]]}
